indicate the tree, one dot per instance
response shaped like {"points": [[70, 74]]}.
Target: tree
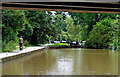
{"points": [[60, 24], [27, 32], [73, 31], [12, 22], [102, 33], [42, 26]]}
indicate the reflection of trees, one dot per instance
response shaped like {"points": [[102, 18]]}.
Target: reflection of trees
{"points": [[95, 62], [113, 61], [77, 62], [40, 63], [32, 64], [0, 69], [64, 62], [71, 61], [12, 68]]}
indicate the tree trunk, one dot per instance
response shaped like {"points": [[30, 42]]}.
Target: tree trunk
{"points": [[96, 18]]}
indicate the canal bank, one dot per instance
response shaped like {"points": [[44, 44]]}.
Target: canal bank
{"points": [[66, 46], [8, 56]]}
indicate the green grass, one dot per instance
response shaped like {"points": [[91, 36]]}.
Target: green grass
{"points": [[30, 45], [17, 48], [40, 44], [58, 44], [5, 50]]}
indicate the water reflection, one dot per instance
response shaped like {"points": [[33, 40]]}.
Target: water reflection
{"points": [[0, 69], [67, 61]]}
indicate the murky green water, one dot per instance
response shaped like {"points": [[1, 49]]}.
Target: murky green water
{"points": [[67, 61]]}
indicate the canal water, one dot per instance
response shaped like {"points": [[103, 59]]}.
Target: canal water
{"points": [[65, 61]]}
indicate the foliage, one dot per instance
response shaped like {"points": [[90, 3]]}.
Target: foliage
{"points": [[65, 36], [12, 22], [86, 20], [4, 45], [40, 27], [25, 43], [11, 45], [5, 50], [27, 32], [75, 32], [58, 44], [59, 22], [101, 34]]}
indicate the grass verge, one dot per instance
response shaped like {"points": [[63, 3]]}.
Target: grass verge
{"points": [[59, 44], [17, 48]]}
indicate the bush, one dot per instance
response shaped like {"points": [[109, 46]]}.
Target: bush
{"points": [[11, 45], [4, 44], [101, 34], [26, 43]]}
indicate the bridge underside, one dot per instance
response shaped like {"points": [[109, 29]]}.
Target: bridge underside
{"points": [[83, 7]]}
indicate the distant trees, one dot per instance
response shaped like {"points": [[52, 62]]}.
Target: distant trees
{"points": [[99, 30], [39, 27], [74, 31], [42, 26], [86, 22]]}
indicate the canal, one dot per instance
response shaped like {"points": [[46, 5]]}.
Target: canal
{"points": [[65, 61]]}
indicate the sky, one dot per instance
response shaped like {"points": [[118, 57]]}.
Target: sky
{"points": [[53, 12]]}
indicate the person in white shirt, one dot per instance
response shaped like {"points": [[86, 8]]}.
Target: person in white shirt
{"points": [[21, 43]]}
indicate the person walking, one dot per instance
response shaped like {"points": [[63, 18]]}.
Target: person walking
{"points": [[21, 43]]}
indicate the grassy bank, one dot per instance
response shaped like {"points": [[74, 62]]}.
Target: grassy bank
{"points": [[17, 48], [59, 44]]}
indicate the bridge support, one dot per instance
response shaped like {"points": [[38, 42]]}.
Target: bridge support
{"points": [[119, 32]]}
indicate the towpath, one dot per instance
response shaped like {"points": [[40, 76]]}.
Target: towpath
{"points": [[18, 52]]}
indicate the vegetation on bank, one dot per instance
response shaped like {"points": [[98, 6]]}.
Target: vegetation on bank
{"points": [[41, 27], [59, 44], [104, 34], [11, 48]]}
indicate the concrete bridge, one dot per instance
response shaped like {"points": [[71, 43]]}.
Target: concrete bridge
{"points": [[89, 6]]}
